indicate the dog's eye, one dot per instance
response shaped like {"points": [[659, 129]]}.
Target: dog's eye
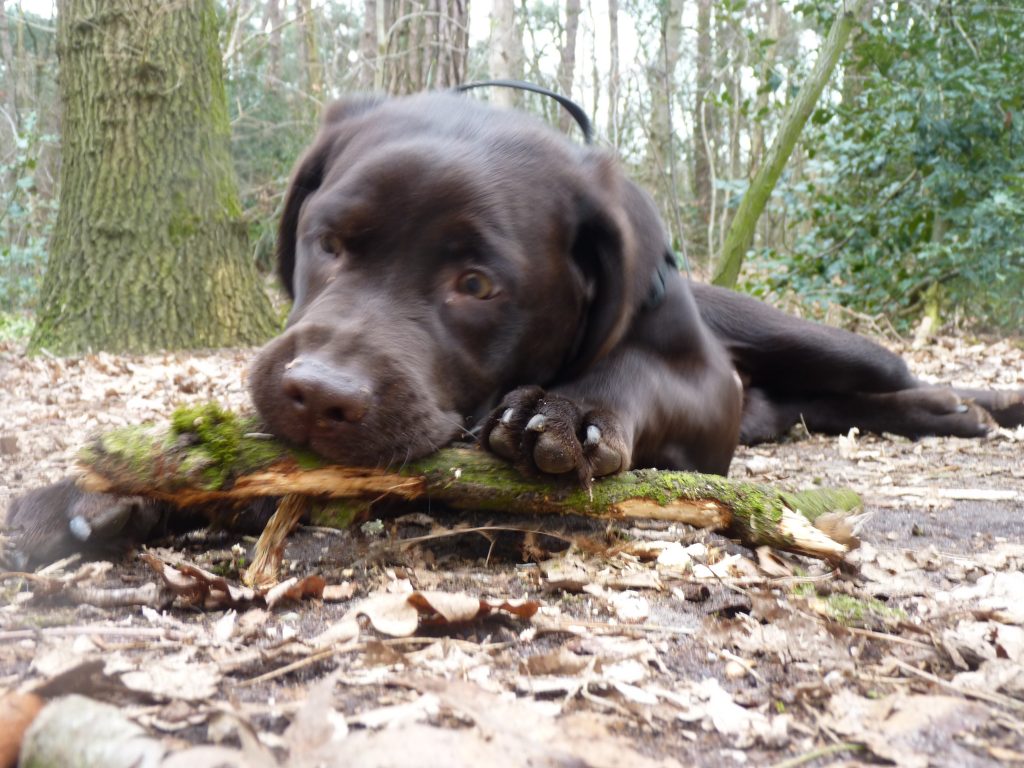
{"points": [[475, 284], [332, 244]]}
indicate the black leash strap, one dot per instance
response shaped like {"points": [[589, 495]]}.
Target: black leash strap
{"points": [[568, 104]]}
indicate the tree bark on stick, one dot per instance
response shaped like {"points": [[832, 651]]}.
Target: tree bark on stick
{"points": [[208, 455], [740, 236]]}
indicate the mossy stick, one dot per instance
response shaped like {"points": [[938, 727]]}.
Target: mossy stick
{"points": [[207, 454]]}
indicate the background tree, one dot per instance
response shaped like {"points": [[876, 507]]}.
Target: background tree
{"points": [[741, 233], [311, 55], [421, 45], [662, 151], [567, 58], [506, 51], [149, 250], [704, 122], [899, 192]]}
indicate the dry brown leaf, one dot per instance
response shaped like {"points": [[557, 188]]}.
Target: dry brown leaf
{"points": [[177, 676], [568, 573], [446, 607], [1000, 675], [317, 733], [558, 662], [423, 709], [295, 589], [208, 757], [74, 726], [197, 587], [17, 711], [400, 615], [910, 730], [389, 614], [336, 593]]}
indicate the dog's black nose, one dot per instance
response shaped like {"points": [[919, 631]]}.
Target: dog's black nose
{"points": [[325, 395]]}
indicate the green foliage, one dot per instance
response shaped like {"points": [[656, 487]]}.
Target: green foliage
{"points": [[919, 180], [14, 326], [27, 215], [272, 118]]}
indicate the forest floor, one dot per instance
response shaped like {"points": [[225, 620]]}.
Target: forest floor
{"points": [[702, 653]]}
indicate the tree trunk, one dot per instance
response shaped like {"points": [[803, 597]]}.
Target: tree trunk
{"points": [[368, 63], [614, 73], [703, 136], [507, 58], [731, 39], [149, 250], [740, 236], [661, 152], [10, 94], [567, 62], [773, 31], [452, 41], [853, 75], [271, 23], [311, 56], [422, 45]]}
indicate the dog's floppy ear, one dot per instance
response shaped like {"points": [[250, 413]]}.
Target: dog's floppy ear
{"points": [[308, 176], [607, 250], [305, 180]]}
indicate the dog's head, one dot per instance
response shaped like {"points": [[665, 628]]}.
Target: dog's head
{"points": [[439, 253]]}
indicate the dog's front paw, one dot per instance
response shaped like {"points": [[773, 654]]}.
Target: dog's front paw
{"points": [[56, 520], [554, 435]]}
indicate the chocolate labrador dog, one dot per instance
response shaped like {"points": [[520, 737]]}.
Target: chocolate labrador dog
{"points": [[454, 266]]}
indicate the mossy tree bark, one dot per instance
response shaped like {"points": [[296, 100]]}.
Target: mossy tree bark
{"points": [[149, 250]]}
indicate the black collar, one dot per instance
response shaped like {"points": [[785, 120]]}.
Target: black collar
{"points": [[570, 106]]}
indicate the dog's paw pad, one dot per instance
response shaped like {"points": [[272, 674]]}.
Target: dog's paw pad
{"points": [[553, 455], [604, 459], [503, 438]]}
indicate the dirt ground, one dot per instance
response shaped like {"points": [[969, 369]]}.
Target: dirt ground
{"points": [[682, 648]]}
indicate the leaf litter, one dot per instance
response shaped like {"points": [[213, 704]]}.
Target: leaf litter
{"points": [[495, 643]]}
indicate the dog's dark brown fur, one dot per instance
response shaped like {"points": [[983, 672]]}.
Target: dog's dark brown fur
{"points": [[456, 265]]}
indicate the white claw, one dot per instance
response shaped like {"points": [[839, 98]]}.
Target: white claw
{"points": [[593, 436], [80, 528], [538, 423], [506, 417]]}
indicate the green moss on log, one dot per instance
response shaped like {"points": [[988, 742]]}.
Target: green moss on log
{"points": [[205, 447]]}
